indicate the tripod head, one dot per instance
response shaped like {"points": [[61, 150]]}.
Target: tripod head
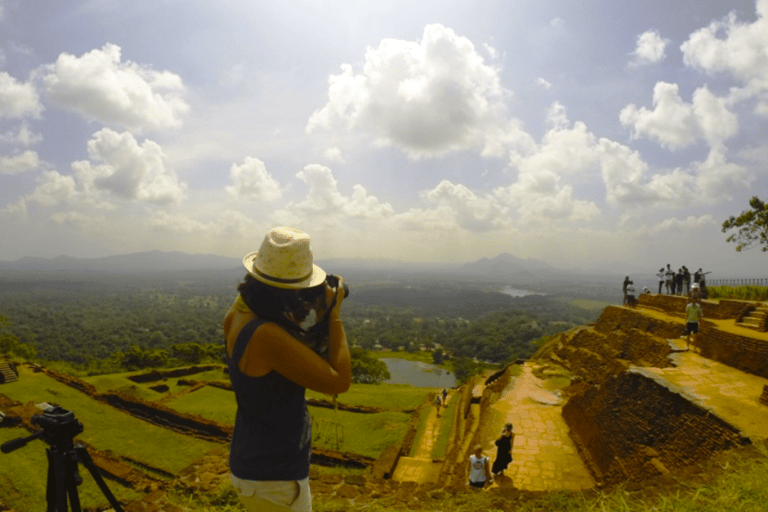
{"points": [[59, 428]]}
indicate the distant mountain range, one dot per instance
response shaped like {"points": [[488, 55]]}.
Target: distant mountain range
{"points": [[502, 267]]}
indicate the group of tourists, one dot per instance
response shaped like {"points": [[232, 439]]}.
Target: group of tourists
{"points": [[679, 283]]}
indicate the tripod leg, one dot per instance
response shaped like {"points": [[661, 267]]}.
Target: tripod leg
{"points": [[73, 480], [56, 493], [85, 458]]}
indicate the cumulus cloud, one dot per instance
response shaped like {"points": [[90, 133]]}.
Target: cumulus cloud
{"points": [[470, 211], [675, 124], [429, 97], [17, 164], [20, 137], [324, 197], [128, 170], [252, 182], [122, 169], [18, 99], [98, 86], [543, 83], [650, 49], [736, 48]]}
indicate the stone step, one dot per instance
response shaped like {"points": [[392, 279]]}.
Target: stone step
{"points": [[8, 374]]}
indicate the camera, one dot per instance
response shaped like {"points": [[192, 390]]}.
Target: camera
{"points": [[333, 282]]}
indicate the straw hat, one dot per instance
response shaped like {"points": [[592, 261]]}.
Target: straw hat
{"points": [[284, 260]]}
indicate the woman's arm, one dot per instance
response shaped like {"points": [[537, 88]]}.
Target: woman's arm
{"points": [[281, 352]]}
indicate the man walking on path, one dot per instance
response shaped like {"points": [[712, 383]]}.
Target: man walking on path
{"points": [[693, 314], [479, 469]]}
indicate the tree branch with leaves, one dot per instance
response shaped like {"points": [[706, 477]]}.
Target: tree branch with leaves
{"points": [[751, 226]]}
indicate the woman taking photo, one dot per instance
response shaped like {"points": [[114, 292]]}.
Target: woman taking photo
{"points": [[272, 359]]}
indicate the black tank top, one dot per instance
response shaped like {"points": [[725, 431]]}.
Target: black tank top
{"points": [[273, 431]]}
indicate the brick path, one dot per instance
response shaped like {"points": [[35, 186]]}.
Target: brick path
{"points": [[544, 457]]}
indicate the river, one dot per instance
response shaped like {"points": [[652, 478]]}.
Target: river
{"points": [[418, 374]]}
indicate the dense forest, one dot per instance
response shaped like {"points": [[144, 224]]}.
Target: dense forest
{"points": [[109, 324]]}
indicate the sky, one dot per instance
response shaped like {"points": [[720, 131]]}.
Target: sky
{"points": [[576, 132]]}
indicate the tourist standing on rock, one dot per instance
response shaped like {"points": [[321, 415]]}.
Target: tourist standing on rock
{"points": [[624, 288], [660, 275], [479, 469], [503, 450], [686, 280], [679, 282], [630, 291], [669, 275], [693, 314], [272, 359]]}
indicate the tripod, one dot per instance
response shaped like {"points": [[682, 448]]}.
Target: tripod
{"points": [[59, 429]]}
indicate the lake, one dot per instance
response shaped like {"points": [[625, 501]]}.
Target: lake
{"points": [[514, 292], [418, 374]]}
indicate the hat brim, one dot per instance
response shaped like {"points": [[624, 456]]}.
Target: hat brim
{"points": [[316, 279]]}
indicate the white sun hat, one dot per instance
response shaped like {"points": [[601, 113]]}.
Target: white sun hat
{"points": [[285, 260]]}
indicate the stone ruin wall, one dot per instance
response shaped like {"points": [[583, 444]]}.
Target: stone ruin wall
{"points": [[636, 426], [746, 354], [630, 424]]}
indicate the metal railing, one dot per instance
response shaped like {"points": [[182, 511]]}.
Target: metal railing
{"points": [[751, 281]]}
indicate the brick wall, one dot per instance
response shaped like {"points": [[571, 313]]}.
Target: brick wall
{"points": [[636, 426], [715, 309], [741, 352]]}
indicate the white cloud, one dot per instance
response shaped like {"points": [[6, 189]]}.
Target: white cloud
{"points": [[100, 87], [428, 98], [334, 154], [128, 170], [325, 199], [469, 210], [675, 124], [18, 99], [54, 188], [543, 83], [23, 162], [252, 182], [741, 52], [15, 211], [23, 136], [650, 48]]}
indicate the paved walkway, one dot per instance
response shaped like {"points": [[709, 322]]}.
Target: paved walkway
{"points": [[733, 395], [544, 456]]}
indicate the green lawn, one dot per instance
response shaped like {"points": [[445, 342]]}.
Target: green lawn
{"points": [[107, 428], [209, 402], [23, 477]]}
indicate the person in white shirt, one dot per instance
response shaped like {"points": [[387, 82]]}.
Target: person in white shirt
{"points": [[479, 469]]}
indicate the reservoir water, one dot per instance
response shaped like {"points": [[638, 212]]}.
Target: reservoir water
{"points": [[514, 292], [418, 374]]}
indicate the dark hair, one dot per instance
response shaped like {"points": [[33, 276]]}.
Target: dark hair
{"points": [[284, 306]]}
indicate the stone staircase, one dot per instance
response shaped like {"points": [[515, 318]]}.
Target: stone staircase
{"points": [[757, 318], [7, 373]]}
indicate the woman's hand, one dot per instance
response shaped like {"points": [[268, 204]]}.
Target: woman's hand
{"points": [[338, 293]]}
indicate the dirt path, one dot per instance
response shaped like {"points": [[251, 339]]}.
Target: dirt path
{"points": [[544, 457]]}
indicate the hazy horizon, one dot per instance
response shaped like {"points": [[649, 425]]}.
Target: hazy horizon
{"points": [[576, 134]]}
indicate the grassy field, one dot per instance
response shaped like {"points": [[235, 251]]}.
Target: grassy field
{"points": [[23, 472]]}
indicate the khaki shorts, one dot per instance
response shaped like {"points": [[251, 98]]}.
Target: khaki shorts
{"points": [[273, 496]]}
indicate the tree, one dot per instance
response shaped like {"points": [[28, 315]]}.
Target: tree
{"points": [[366, 369], [752, 226]]}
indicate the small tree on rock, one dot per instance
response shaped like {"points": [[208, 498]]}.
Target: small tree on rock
{"points": [[752, 226]]}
